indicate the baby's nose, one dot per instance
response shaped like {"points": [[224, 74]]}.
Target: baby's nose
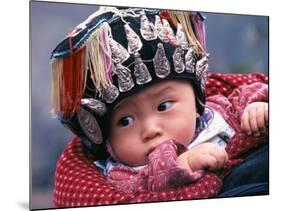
{"points": [[151, 129]]}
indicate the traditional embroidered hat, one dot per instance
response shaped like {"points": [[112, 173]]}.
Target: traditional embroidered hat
{"points": [[117, 52]]}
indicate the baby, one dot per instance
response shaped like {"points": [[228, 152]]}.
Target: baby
{"points": [[167, 111], [131, 83]]}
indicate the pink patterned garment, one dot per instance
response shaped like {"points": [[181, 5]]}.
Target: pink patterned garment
{"points": [[161, 172]]}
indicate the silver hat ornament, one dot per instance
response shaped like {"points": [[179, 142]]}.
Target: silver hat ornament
{"points": [[202, 69], [90, 126], [125, 80], [140, 71], [181, 38], [189, 60], [147, 28], [118, 53], [110, 93], [178, 59], [160, 29], [96, 106], [161, 63], [168, 32], [134, 42]]}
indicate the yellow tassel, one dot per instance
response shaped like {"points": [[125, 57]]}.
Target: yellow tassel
{"points": [[184, 20], [57, 68], [96, 56]]}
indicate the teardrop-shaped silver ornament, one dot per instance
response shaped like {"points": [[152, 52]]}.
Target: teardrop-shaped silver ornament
{"points": [[189, 60], [147, 28], [204, 78], [201, 67], [181, 38], [110, 93], [125, 80], [160, 29], [168, 31], [96, 106], [178, 60], [140, 71], [134, 41], [161, 63], [90, 126], [118, 53]]}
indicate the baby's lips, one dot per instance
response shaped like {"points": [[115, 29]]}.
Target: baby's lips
{"points": [[151, 150], [169, 144]]}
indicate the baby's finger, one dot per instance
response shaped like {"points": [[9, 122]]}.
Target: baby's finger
{"points": [[212, 163], [253, 121], [245, 124], [223, 159], [261, 118]]}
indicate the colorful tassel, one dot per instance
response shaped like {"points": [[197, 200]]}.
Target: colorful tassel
{"points": [[99, 57], [57, 65], [184, 19], [68, 83], [199, 28]]}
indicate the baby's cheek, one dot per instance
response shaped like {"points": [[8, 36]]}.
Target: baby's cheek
{"points": [[184, 134], [128, 148], [132, 154]]}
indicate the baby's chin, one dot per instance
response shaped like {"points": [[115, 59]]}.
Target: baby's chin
{"points": [[137, 163]]}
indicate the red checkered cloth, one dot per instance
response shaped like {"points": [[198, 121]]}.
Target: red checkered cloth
{"points": [[79, 183]]}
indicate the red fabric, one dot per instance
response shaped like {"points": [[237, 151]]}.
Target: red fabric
{"points": [[79, 183]]}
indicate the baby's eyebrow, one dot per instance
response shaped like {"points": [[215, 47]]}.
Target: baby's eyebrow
{"points": [[120, 105], [152, 95], [161, 91]]}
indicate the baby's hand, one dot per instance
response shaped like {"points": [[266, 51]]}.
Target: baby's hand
{"points": [[254, 119], [204, 156]]}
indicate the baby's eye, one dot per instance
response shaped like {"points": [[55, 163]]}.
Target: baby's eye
{"points": [[164, 106], [125, 121]]}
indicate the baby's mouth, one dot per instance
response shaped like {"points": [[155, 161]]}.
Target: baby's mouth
{"points": [[151, 150], [155, 146], [180, 148]]}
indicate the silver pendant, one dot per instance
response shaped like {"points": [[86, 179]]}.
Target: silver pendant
{"points": [[125, 80], [178, 60], [90, 126], [96, 106], [181, 38], [161, 63], [168, 31], [147, 29], [140, 71], [202, 67], [110, 93], [118, 53], [134, 41], [160, 29], [189, 61], [203, 81]]}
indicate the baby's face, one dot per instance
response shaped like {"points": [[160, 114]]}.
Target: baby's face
{"points": [[141, 122]]}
